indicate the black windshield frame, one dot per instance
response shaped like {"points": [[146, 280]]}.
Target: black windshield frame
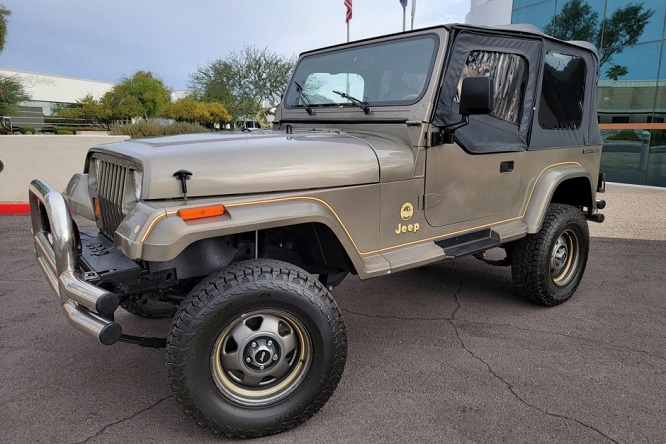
{"points": [[373, 73]]}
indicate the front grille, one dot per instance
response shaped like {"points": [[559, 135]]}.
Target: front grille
{"points": [[111, 183]]}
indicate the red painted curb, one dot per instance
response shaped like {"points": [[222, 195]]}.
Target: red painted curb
{"points": [[14, 208]]}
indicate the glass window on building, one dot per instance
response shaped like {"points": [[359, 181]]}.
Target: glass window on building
{"points": [[577, 20], [540, 14], [631, 93], [628, 84], [649, 13]]}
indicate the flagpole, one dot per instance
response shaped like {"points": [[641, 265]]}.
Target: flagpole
{"points": [[348, 15], [413, 12], [403, 19]]}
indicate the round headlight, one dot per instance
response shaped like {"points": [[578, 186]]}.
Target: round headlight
{"points": [[93, 172], [137, 178]]}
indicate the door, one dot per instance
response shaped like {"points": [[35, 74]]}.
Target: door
{"points": [[477, 180]]}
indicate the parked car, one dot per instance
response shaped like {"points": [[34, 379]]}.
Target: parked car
{"points": [[387, 154]]}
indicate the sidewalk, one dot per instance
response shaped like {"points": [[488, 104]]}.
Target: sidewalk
{"points": [[632, 212]]}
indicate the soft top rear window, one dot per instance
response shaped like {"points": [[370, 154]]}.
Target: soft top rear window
{"points": [[562, 91]]}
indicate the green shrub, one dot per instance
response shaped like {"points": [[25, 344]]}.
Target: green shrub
{"points": [[144, 129], [657, 137], [624, 135], [26, 130], [63, 132]]}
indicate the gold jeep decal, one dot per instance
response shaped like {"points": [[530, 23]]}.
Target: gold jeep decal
{"points": [[411, 228], [406, 211]]}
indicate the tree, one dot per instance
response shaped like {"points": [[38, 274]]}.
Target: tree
{"points": [[147, 89], [104, 112], [11, 94], [142, 95], [187, 109], [623, 28], [247, 83], [616, 71], [12, 91], [4, 13], [578, 21]]}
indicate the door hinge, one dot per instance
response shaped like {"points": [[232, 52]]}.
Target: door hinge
{"points": [[430, 200]]}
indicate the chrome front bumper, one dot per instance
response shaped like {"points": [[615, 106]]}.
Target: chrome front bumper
{"points": [[84, 304]]}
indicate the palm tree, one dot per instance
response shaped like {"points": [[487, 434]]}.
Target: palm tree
{"points": [[4, 13], [616, 71]]}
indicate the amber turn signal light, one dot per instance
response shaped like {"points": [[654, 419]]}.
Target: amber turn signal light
{"points": [[201, 212], [98, 208]]}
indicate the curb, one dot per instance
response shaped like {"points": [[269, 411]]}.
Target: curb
{"points": [[14, 208]]}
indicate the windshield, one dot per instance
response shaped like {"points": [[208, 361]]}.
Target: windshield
{"points": [[387, 73]]}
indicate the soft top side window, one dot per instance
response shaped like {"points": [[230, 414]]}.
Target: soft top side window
{"points": [[509, 75], [562, 91]]}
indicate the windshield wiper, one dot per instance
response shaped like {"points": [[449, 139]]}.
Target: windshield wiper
{"points": [[365, 106], [304, 99]]}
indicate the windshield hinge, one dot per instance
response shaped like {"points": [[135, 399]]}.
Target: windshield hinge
{"points": [[440, 138], [430, 200]]}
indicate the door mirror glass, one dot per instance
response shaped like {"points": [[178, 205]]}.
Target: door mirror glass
{"points": [[476, 96]]}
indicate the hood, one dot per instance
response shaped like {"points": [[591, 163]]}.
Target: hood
{"points": [[242, 163]]}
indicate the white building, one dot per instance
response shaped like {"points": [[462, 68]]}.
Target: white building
{"points": [[47, 90], [489, 12]]}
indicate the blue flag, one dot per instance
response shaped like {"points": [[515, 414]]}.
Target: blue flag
{"points": [[403, 3]]}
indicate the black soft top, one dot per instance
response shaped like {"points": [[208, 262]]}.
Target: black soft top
{"points": [[486, 133]]}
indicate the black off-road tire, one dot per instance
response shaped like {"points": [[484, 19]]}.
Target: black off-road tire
{"points": [[150, 308], [235, 312], [547, 266]]}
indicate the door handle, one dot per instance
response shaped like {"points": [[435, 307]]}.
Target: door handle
{"points": [[506, 166]]}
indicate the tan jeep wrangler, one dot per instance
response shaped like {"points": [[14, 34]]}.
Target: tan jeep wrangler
{"points": [[387, 154]]}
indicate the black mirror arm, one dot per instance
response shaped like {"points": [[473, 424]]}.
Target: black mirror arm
{"points": [[445, 134], [452, 127]]}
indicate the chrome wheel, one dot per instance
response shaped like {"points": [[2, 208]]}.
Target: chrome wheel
{"points": [[261, 357], [564, 258], [547, 266], [255, 349]]}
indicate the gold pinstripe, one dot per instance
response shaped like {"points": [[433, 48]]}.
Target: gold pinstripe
{"points": [[344, 227]]}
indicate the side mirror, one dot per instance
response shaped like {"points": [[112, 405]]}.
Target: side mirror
{"points": [[476, 96]]}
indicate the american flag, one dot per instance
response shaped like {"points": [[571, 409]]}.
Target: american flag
{"points": [[348, 4]]}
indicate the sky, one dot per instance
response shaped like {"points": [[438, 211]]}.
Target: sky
{"points": [[107, 39]]}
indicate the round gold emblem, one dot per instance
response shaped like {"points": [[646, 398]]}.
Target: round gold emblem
{"points": [[406, 211]]}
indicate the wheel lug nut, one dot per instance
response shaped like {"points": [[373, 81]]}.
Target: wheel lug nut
{"points": [[248, 359], [275, 357], [269, 343], [253, 345], [261, 367]]}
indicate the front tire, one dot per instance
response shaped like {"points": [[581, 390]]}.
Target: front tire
{"points": [[547, 266], [256, 349]]}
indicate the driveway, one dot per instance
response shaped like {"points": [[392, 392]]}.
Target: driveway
{"points": [[446, 353]]}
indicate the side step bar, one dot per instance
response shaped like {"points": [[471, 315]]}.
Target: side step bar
{"points": [[466, 244]]}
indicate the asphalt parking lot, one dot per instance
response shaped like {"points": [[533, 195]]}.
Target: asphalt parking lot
{"points": [[446, 353]]}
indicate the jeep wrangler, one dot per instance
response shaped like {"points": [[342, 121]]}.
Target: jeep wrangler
{"points": [[386, 154]]}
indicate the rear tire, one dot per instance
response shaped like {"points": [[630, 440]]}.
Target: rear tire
{"points": [[256, 349], [547, 266]]}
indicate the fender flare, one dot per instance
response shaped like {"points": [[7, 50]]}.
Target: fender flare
{"points": [[165, 235], [544, 188]]}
